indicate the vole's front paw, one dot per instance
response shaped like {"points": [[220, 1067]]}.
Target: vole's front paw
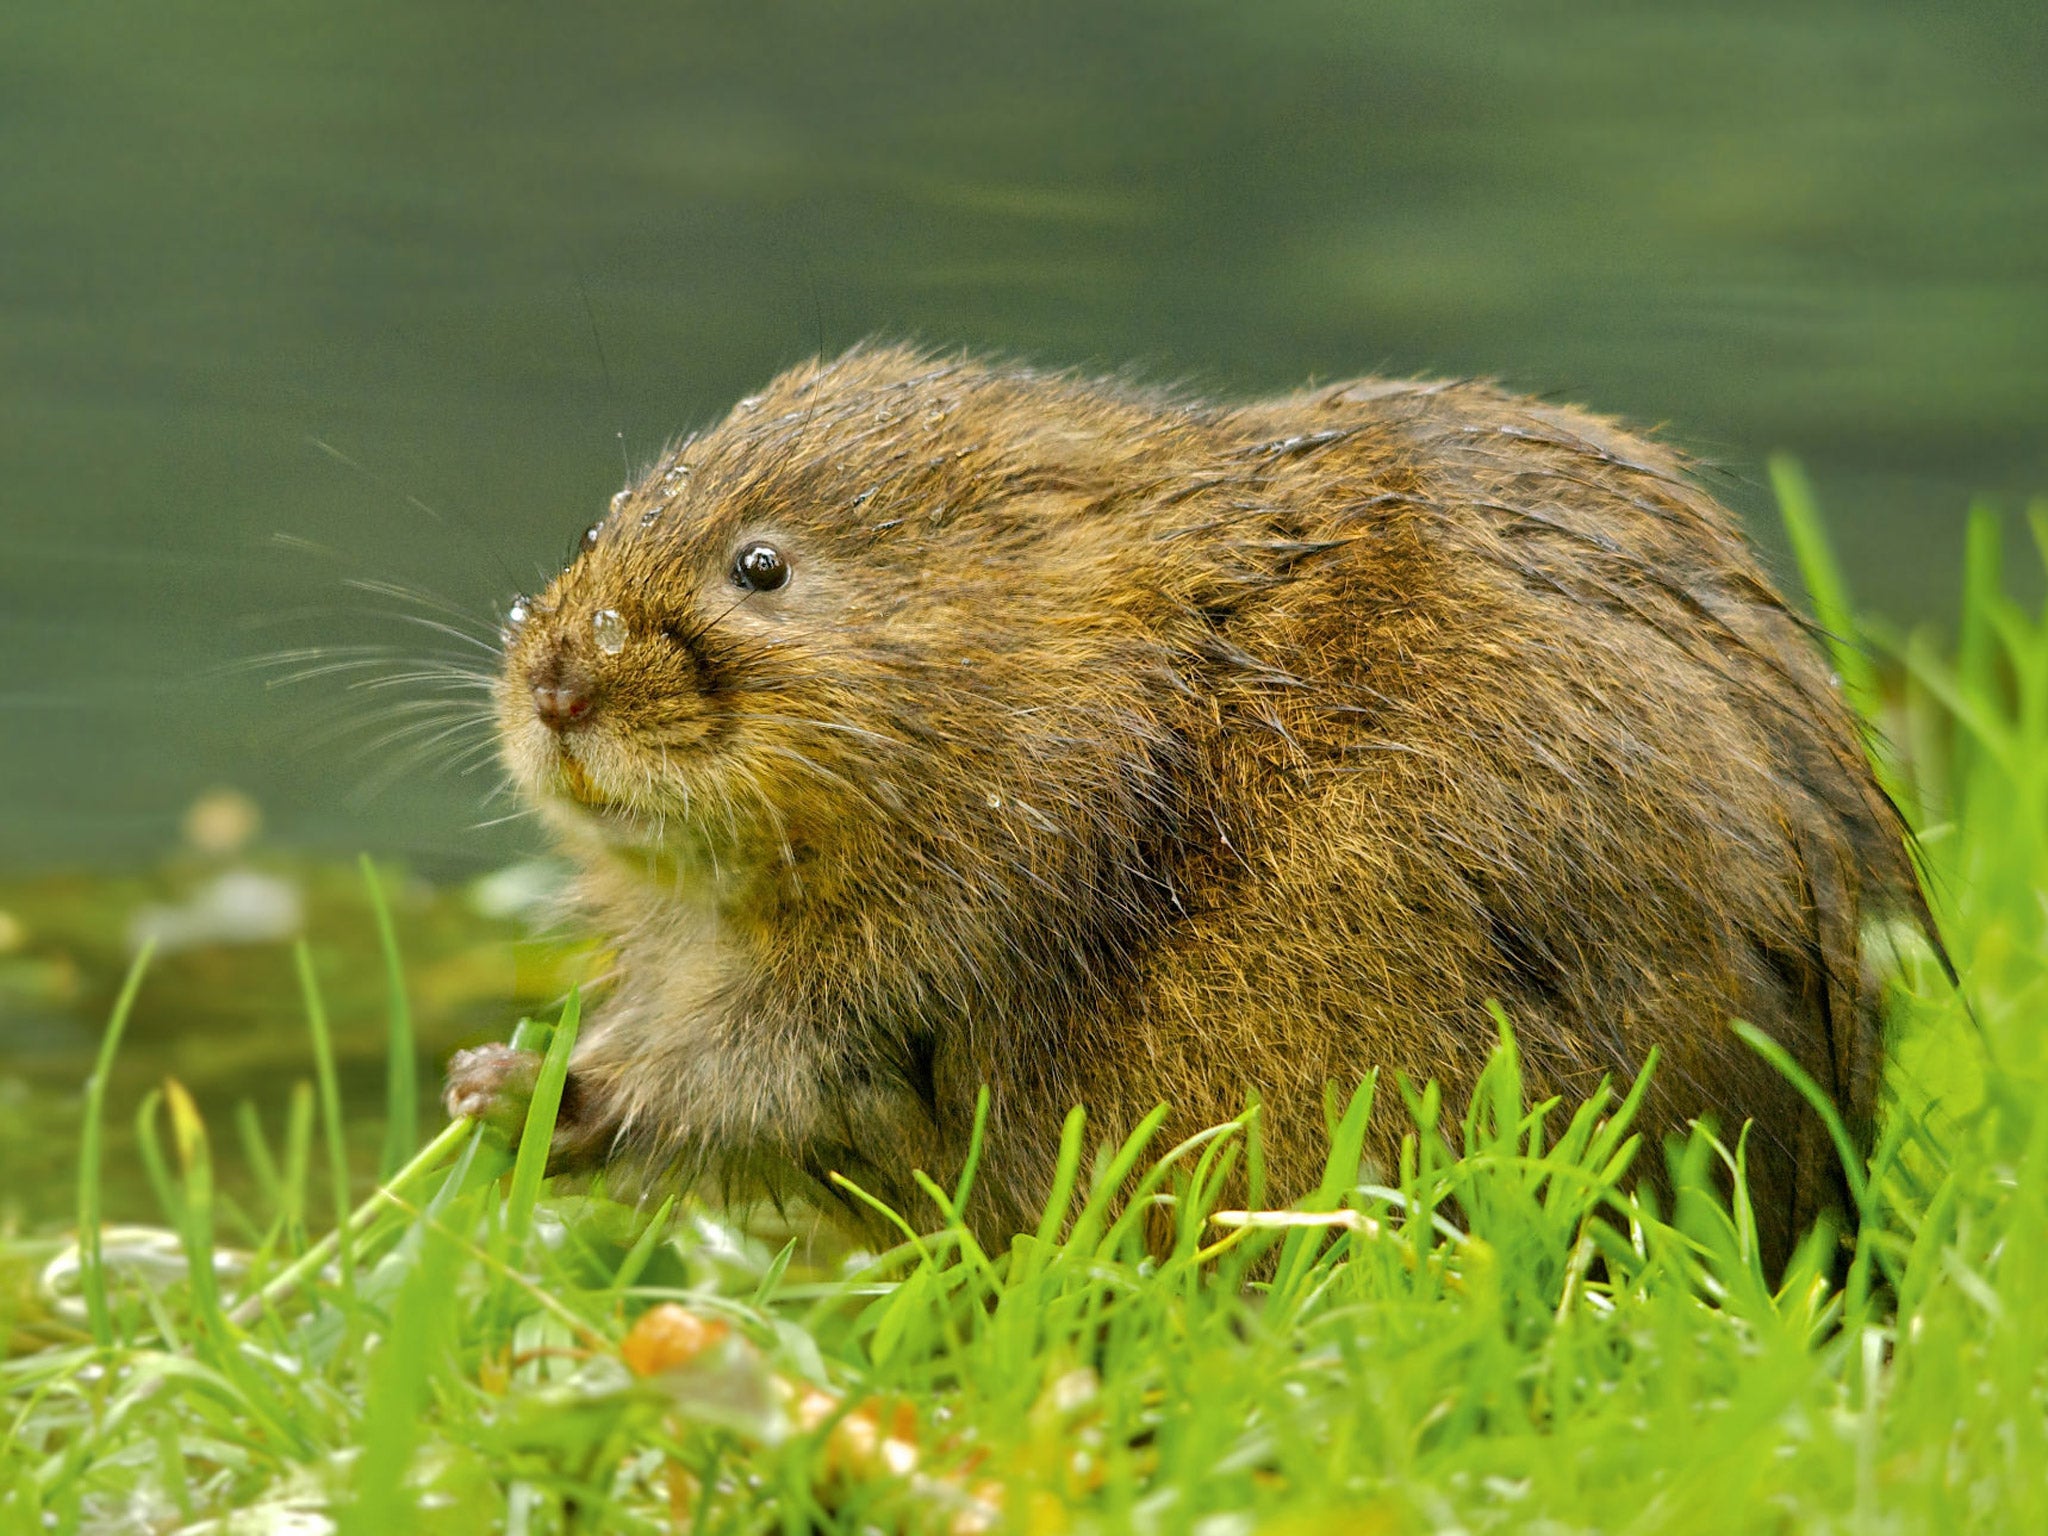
{"points": [[493, 1084]]}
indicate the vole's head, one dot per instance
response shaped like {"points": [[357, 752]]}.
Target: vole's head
{"points": [[891, 601]]}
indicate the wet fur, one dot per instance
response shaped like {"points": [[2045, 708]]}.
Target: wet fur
{"points": [[1109, 748]]}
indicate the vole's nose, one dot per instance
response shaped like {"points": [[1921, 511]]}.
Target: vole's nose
{"points": [[563, 692], [560, 705]]}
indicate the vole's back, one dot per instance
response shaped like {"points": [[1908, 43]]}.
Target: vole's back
{"points": [[1555, 742]]}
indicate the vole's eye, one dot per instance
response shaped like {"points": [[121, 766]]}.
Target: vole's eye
{"points": [[760, 568]]}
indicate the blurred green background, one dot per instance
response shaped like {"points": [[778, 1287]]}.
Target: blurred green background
{"points": [[226, 231], [478, 249]]}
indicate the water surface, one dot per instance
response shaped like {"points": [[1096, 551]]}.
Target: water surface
{"points": [[476, 247]]}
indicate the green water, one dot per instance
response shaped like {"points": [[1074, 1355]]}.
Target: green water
{"points": [[226, 233], [228, 1021]]}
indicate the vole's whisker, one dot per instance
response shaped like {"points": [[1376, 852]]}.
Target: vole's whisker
{"points": [[387, 666], [523, 813], [342, 657], [421, 750], [490, 647], [434, 709], [354, 714], [475, 759], [420, 734], [419, 596], [349, 721], [421, 711], [443, 677], [310, 674], [502, 789], [461, 524]]}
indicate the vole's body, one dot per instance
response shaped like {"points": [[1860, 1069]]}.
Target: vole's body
{"points": [[1111, 750]]}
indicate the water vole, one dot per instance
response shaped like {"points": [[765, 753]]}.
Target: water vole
{"points": [[928, 723]]}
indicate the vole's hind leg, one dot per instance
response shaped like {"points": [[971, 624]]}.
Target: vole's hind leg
{"points": [[493, 1084]]}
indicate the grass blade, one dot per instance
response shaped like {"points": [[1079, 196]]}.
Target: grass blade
{"points": [[92, 1277], [330, 1107], [1822, 573], [401, 1072], [422, 1321], [1812, 1092], [537, 1137], [195, 1211], [388, 1196]]}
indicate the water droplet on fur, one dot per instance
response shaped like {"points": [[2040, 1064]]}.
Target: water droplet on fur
{"points": [[747, 404], [995, 801], [515, 618], [610, 630], [622, 498], [592, 534]]}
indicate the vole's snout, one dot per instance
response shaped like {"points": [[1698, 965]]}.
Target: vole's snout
{"points": [[563, 692]]}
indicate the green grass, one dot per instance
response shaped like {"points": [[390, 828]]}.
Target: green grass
{"points": [[1502, 1339]]}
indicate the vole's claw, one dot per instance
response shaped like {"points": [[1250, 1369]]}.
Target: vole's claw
{"points": [[491, 1083]]}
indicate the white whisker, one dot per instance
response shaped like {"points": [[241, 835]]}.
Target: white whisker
{"points": [[521, 814], [424, 599]]}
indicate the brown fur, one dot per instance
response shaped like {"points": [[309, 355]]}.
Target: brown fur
{"points": [[1110, 749]]}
